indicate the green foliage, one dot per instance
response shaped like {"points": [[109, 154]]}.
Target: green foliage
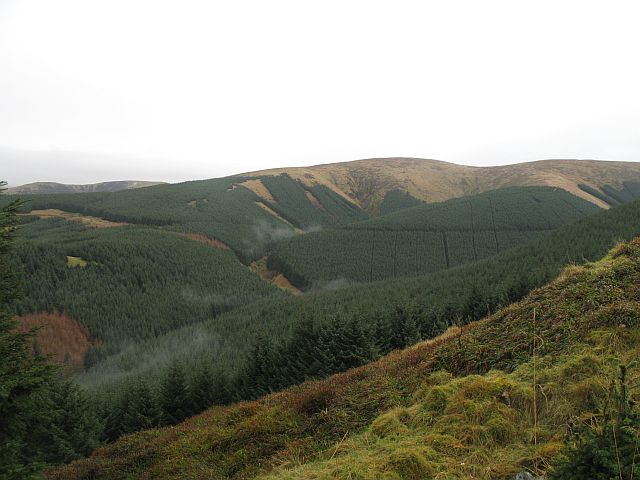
{"points": [[427, 238], [629, 192], [608, 447], [396, 200], [291, 201], [44, 419], [135, 283], [404, 417], [432, 303], [219, 208], [174, 395]]}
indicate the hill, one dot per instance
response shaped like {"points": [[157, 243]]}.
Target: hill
{"points": [[40, 188], [126, 283], [426, 238], [461, 404], [368, 182], [384, 315], [244, 213]]}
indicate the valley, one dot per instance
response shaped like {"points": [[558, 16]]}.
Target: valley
{"points": [[278, 302]]}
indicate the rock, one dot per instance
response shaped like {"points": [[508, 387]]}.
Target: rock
{"points": [[525, 476]]}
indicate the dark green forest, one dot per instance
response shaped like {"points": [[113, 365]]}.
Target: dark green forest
{"points": [[137, 283], [427, 238], [220, 208], [259, 348]]}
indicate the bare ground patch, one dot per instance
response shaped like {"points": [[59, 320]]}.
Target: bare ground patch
{"points": [[314, 201], [278, 279], [257, 187], [89, 221], [212, 242]]}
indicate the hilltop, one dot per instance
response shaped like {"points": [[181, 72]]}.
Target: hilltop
{"points": [[41, 188], [461, 403], [367, 182]]}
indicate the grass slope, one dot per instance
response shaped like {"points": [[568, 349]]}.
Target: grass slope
{"points": [[457, 407], [367, 182], [427, 238]]}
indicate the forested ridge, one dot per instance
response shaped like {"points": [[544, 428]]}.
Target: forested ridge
{"points": [[222, 208], [427, 238]]}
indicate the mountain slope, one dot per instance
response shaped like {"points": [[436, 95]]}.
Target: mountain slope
{"points": [[427, 238], [366, 182], [244, 213], [460, 404], [39, 188], [128, 283], [433, 303]]}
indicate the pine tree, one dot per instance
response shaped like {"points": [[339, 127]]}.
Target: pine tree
{"points": [[174, 395]]}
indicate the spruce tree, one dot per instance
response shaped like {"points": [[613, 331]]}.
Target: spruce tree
{"points": [[608, 450], [143, 410], [202, 388], [174, 395], [22, 375]]}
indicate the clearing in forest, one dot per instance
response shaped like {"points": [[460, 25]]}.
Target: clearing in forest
{"points": [[89, 221]]}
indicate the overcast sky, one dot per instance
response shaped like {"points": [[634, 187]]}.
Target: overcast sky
{"points": [[156, 90]]}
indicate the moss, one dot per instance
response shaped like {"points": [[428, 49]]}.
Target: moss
{"points": [[391, 423], [410, 464], [436, 378]]}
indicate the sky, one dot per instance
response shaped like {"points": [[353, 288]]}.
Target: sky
{"points": [[175, 90]]}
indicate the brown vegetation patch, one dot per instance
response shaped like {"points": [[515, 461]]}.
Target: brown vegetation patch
{"points": [[366, 182], [60, 336], [314, 201], [257, 187], [278, 279], [89, 221], [212, 242]]}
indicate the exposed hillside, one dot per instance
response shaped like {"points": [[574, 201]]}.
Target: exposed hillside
{"points": [[459, 405], [39, 188], [427, 238], [366, 182]]}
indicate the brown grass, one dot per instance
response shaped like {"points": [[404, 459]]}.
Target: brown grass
{"points": [[212, 242], [314, 201], [278, 279], [93, 222], [60, 336], [435, 181], [257, 187]]}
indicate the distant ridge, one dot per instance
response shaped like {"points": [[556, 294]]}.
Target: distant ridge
{"points": [[53, 187], [366, 182]]}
